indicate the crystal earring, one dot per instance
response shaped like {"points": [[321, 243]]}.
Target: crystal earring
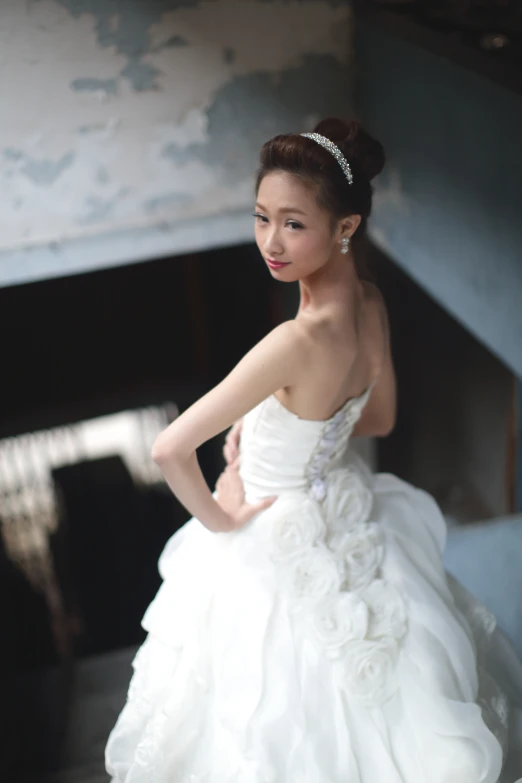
{"points": [[345, 244]]}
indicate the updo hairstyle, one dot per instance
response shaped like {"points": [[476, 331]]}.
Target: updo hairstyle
{"points": [[304, 158]]}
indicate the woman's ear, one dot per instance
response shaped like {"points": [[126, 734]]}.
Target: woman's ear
{"points": [[348, 226]]}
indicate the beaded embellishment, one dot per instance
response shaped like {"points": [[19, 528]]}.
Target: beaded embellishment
{"points": [[334, 150], [332, 444]]}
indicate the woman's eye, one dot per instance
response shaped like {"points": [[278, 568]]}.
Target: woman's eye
{"points": [[262, 218], [293, 225]]}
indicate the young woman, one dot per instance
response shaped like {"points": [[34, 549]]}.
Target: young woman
{"points": [[306, 631]]}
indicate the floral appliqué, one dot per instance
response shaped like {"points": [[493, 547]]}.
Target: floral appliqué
{"points": [[329, 553]]}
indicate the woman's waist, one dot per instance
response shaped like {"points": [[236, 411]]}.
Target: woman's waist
{"points": [[259, 487], [262, 479]]}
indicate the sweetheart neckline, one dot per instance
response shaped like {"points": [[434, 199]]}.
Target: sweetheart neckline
{"points": [[330, 418]]}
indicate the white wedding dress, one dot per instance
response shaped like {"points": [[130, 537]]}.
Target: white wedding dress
{"points": [[321, 643]]}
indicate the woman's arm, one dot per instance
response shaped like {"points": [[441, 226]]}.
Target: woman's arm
{"points": [[379, 414], [272, 364]]}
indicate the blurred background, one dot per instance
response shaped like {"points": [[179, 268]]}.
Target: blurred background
{"points": [[129, 285]]}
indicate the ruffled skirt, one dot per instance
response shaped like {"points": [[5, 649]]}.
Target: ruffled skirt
{"points": [[264, 664]]}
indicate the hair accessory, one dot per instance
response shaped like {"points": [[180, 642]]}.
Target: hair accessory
{"points": [[334, 150], [345, 244]]}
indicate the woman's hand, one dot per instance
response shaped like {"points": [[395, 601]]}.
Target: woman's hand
{"points": [[231, 498], [231, 447]]}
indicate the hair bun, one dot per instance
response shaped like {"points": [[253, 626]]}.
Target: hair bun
{"points": [[356, 144]]}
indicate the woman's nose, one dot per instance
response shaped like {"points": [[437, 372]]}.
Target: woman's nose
{"points": [[273, 244]]}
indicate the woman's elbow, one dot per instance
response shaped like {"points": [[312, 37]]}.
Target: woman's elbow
{"points": [[162, 450], [158, 451], [374, 427], [168, 448], [386, 427]]}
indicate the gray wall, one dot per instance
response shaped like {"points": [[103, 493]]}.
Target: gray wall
{"points": [[448, 205]]}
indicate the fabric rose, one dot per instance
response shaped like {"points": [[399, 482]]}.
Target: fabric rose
{"points": [[297, 526], [368, 671], [361, 551], [339, 619], [348, 500], [387, 611], [314, 574]]}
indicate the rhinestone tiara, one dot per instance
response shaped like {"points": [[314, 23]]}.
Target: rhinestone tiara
{"points": [[334, 150]]}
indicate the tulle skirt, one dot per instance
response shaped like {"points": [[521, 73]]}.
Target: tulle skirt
{"points": [[233, 686]]}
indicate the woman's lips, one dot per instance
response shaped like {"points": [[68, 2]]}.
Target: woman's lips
{"points": [[276, 264]]}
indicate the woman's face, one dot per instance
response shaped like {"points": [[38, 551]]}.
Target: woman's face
{"points": [[293, 234]]}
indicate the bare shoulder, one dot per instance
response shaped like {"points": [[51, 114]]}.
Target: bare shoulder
{"points": [[285, 346], [274, 362], [373, 294], [376, 300], [290, 335]]}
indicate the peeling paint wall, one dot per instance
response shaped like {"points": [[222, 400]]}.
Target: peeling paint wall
{"points": [[134, 127]]}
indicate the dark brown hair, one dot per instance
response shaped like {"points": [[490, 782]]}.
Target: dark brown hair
{"points": [[305, 158]]}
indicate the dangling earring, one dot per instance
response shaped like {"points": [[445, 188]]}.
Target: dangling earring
{"points": [[345, 244]]}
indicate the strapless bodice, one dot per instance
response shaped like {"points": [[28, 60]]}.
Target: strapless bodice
{"points": [[279, 451]]}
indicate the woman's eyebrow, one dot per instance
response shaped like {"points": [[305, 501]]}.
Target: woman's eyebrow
{"points": [[283, 209]]}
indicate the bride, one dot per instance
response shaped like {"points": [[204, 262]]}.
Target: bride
{"points": [[305, 630]]}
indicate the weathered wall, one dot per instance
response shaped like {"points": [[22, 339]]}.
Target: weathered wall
{"points": [[447, 209], [131, 130]]}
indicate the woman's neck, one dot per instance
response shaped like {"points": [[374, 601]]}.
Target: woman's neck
{"points": [[337, 281]]}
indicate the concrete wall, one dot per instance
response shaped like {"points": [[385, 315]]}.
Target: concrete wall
{"points": [[131, 129], [447, 207]]}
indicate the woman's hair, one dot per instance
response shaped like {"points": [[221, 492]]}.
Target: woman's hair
{"points": [[305, 158]]}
